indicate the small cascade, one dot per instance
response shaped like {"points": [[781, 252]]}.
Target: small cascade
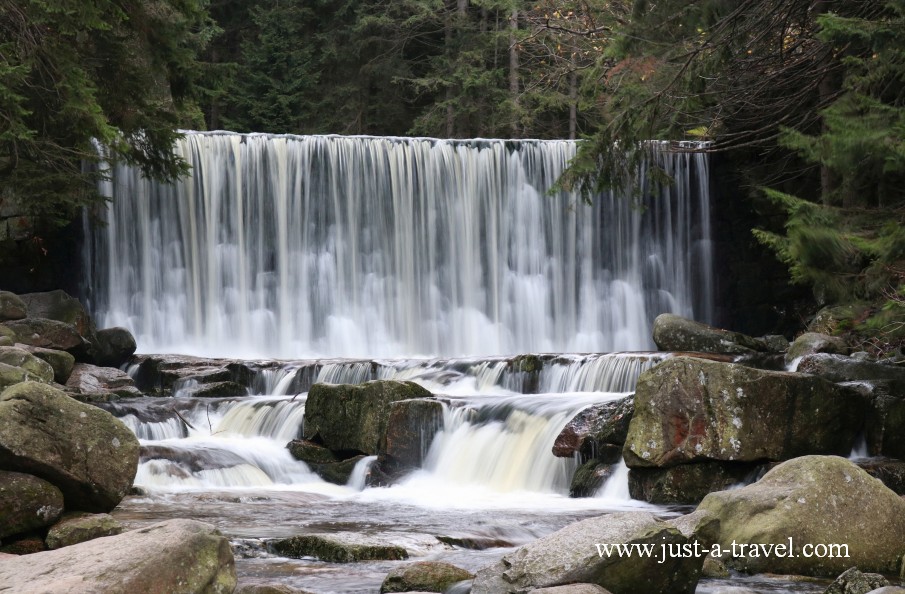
{"points": [[347, 372], [616, 486], [617, 372], [359, 477], [859, 450], [272, 418]]}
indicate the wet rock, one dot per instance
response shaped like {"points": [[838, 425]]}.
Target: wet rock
{"points": [[81, 527], [310, 453], [675, 333], [11, 307], [593, 428], [92, 383], [811, 343], [589, 477], [48, 334], [714, 568], [60, 361], [174, 556], [227, 389], [888, 590], [256, 588], [161, 374], [114, 346], [572, 589], [337, 473], [475, 542], [884, 421], [776, 343], [820, 500], [891, 472], [852, 581], [82, 450], [693, 410], [27, 503], [354, 418], [839, 368], [571, 556], [685, 483], [411, 427], [339, 547], [37, 369], [426, 576], [10, 376]]}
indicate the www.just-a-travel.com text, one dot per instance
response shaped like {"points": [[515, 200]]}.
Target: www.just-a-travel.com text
{"points": [[663, 551]]}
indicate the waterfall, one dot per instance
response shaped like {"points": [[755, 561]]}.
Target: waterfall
{"points": [[306, 246]]}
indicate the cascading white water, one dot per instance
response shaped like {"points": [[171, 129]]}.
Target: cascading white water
{"points": [[289, 246]]}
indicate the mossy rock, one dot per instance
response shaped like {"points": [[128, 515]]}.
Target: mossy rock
{"points": [[339, 547], [81, 527], [36, 368], [424, 576], [837, 319], [61, 362], [11, 307], [27, 503]]}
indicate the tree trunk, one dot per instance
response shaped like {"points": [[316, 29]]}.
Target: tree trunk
{"points": [[573, 101], [513, 69]]}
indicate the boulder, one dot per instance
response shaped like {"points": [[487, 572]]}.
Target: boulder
{"points": [[814, 500], [25, 545], [11, 307], [810, 343], [699, 526], [60, 361], [227, 389], [81, 527], [837, 318], [675, 333], [339, 547], [337, 473], [694, 410], [48, 334], [839, 368], [84, 451], [183, 556], [27, 503], [411, 427], [425, 576], [113, 346], [589, 477], [714, 568], [310, 453], [685, 483], [91, 383], [595, 427], [852, 581], [161, 374], [257, 588], [37, 369], [10, 375], [59, 306], [576, 554], [354, 418]]}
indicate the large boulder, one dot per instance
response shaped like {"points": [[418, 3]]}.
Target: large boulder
{"points": [[100, 384], [37, 369], [59, 306], [578, 554], [810, 343], [340, 547], [594, 428], [27, 503], [812, 501], [675, 334], [693, 410], [84, 451], [182, 556], [114, 346], [60, 361], [81, 527], [48, 334], [11, 307], [354, 418], [424, 576]]}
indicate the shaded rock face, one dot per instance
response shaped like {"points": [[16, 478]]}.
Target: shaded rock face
{"points": [[815, 500], [174, 556], [424, 576], [693, 410], [27, 503], [411, 427], [589, 477], [59, 306], [310, 453], [889, 471], [162, 374], [674, 333], [685, 483], [10, 375], [37, 369], [82, 450], [81, 527], [354, 418], [48, 334], [839, 368], [60, 361], [594, 427], [571, 556]]}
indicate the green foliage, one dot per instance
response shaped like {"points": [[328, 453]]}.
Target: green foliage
{"points": [[72, 71]]}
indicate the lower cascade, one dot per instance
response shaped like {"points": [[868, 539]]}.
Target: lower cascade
{"points": [[308, 246]]}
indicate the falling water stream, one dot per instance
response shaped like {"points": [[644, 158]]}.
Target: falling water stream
{"points": [[439, 258]]}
